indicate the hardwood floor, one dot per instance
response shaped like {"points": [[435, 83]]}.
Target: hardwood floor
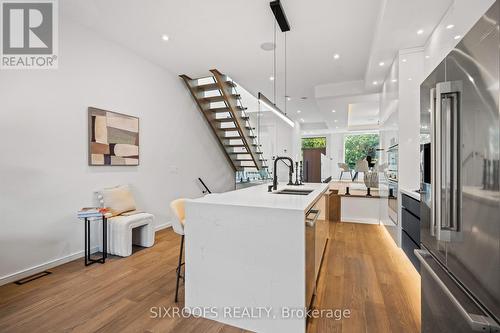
{"points": [[362, 272], [114, 297]]}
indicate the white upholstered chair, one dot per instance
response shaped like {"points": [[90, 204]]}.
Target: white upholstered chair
{"points": [[361, 166], [127, 225], [178, 212], [344, 167]]}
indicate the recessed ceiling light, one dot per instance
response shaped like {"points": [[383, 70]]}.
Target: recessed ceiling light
{"points": [[333, 111], [301, 120], [457, 37], [404, 60], [420, 31], [165, 38], [375, 83], [427, 56], [335, 121], [288, 98], [450, 26], [298, 111], [271, 78], [394, 80], [409, 79], [336, 127], [336, 56], [381, 63], [429, 109]]}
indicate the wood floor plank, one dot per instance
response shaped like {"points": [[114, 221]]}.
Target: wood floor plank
{"points": [[362, 271], [366, 273]]}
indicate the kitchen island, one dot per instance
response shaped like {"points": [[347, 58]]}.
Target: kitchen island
{"points": [[252, 256]]}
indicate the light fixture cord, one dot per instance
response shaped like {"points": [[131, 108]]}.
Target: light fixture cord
{"points": [[274, 64], [286, 94]]}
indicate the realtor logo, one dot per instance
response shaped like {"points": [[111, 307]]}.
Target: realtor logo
{"points": [[29, 34]]}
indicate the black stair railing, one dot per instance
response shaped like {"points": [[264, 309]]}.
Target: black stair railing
{"points": [[206, 190]]}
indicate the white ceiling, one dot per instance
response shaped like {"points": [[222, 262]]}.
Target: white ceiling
{"points": [[396, 29], [227, 34], [363, 115]]}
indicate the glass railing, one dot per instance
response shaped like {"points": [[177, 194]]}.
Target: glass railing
{"points": [[255, 112], [257, 118]]}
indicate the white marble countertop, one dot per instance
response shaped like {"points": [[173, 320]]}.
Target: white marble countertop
{"points": [[411, 193], [258, 196]]}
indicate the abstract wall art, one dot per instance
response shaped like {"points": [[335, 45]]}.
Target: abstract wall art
{"points": [[113, 138]]}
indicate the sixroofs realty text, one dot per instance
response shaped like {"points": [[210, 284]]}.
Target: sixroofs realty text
{"points": [[247, 313]]}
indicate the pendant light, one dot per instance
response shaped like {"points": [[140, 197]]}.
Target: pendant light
{"points": [[281, 19]]}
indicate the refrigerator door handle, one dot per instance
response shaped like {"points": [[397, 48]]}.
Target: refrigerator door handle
{"points": [[437, 192], [455, 149], [433, 162], [447, 159], [477, 323]]}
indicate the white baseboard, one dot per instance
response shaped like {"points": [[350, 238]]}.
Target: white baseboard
{"points": [[56, 262], [163, 226], [364, 221], [40, 268]]}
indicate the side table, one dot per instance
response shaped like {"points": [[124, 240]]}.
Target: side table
{"points": [[102, 259]]}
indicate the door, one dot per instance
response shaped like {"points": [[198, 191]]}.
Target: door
{"points": [[312, 164], [473, 248]]}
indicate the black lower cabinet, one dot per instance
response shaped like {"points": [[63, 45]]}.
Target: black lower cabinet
{"points": [[410, 238]]}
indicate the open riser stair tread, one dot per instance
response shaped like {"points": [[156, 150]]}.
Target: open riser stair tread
{"points": [[220, 98], [219, 102], [213, 86], [225, 109]]}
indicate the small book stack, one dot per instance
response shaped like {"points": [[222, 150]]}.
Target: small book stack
{"points": [[89, 212]]}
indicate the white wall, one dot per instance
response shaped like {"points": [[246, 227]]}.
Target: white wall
{"points": [[278, 139], [411, 66], [44, 174], [335, 151], [389, 133], [400, 122]]}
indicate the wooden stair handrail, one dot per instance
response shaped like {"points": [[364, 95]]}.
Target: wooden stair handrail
{"points": [[188, 81], [233, 109]]}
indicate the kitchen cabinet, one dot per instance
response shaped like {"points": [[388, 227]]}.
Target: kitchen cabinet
{"points": [[322, 231], [410, 238]]}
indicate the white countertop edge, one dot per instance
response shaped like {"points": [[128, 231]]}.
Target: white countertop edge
{"points": [[308, 201], [410, 193]]}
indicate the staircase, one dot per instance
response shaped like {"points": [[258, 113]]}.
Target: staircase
{"points": [[220, 103]]}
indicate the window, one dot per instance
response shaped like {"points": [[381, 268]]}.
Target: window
{"points": [[358, 147], [313, 142]]}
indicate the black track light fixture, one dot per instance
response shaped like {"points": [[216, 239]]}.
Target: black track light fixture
{"points": [[279, 14]]}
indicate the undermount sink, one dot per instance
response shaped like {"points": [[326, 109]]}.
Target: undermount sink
{"points": [[294, 192]]}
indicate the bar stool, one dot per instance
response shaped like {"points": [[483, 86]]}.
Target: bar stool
{"points": [[177, 208]]}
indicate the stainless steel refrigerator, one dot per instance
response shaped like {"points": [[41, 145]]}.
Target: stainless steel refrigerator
{"points": [[460, 206]]}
